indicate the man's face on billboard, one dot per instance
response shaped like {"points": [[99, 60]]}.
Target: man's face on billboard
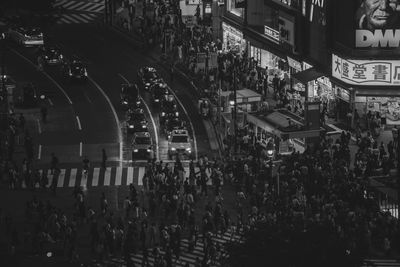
{"points": [[380, 13]]}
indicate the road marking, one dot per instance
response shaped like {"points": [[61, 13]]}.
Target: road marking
{"points": [[79, 123], [95, 177], [87, 97], [190, 121], [129, 178], [80, 149], [72, 177], [50, 102], [39, 152], [39, 127], [118, 176], [45, 73], [151, 118], [61, 176], [115, 116], [140, 175], [107, 176]]}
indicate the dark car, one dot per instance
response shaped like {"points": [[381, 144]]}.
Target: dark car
{"points": [[76, 69], [159, 91], [130, 96], [26, 36], [146, 77], [51, 55], [136, 122], [169, 109], [142, 146]]}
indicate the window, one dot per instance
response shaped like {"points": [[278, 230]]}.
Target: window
{"points": [[232, 9]]}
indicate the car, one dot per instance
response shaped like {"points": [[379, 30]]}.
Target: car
{"points": [[169, 109], [173, 123], [179, 143], [51, 55], [75, 69], [130, 96], [26, 36], [136, 122], [159, 92], [147, 76], [142, 146]]}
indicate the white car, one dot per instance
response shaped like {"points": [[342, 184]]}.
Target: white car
{"points": [[26, 36], [179, 143], [142, 146]]}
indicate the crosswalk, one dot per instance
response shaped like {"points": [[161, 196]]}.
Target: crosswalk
{"points": [[111, 176], [186, 257], [78, 11], [381, 263]]}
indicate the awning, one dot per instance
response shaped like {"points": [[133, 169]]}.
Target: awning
{"points": [[308, 75]]}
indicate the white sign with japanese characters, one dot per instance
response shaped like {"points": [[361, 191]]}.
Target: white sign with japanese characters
{"points": [[366, 72]]}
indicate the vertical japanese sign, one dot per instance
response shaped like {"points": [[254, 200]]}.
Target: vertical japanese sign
{"points": [[366, 72]]}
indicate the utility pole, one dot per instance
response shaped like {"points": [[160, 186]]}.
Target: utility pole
{"points": [[398, 176], [234, 110]]}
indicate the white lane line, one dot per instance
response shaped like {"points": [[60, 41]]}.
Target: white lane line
{"points": [[95, 178], [39, 152], [129, 177], [151, 118], [79, 18], [72, 177], [140, 175], [115, 117], [45, 73], [39, 127], [190, 121], [58, 3], [87, 97], [107, 176], [89, 17], [79, 123], [50, 102], [80, 149], [118, 176]]}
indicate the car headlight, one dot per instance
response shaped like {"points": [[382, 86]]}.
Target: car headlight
{"points": [[70, 73], [46, 57], [148, 150], [177, 114], [144, 126], [156, 100], [85, 73], [61, 57], [173, 148], [147, 84], [135, 150], [162, 114], [131, 126], [188, 149], [125, 102], [137, 102]]}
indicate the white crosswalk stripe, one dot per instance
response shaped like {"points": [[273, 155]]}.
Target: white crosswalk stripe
{"points": [[381, 263], [111, 176], [74, 5]]}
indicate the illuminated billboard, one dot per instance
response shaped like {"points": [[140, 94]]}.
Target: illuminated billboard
{"points": [[377, 24], [366, 72]]}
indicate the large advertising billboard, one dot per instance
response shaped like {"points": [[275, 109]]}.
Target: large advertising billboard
{"points": [[377, 24]]}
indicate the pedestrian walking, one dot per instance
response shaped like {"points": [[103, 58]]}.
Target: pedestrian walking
{"points": [[103, 158], [54, 182]]}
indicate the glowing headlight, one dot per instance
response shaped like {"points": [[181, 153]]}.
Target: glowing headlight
{"points": [[163, 114], [70, 73], [148, 150], [147, 84], [177, 114], [131, 126], [173, 148], [137, 102], [144, 126], [125, 102], [135, 150], [156, 100], [85, 73], [61, 57], [188, 149]]}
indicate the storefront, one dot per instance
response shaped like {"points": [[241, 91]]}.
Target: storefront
{"points": [[232, 39], [388, 108]]}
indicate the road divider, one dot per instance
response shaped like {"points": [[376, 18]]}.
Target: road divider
{"points": [[80, 149], [114, 113], [39, 127], [151, 118], [50, 102], [45, 74]]}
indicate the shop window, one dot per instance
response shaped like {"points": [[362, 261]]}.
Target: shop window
{"points": [[232, 9]]}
